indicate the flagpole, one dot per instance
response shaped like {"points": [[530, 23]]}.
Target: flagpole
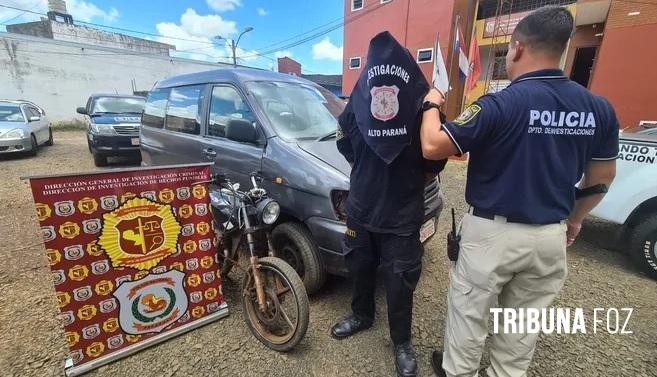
{"points": [[451, 59]]}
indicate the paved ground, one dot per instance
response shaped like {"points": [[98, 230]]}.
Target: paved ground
{"points": [[32, 343]]}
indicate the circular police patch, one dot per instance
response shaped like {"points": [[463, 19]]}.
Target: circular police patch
{"points": [[467, 115]]}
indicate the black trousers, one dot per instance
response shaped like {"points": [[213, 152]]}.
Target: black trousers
{"points": [[400, 257]]}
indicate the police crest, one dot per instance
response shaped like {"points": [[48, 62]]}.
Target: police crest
{"points": [[151, 304], [467, 115], [139, 234], [385, 104]]}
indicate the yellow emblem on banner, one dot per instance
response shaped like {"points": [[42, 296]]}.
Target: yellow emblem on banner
{"points": [[140, 274], [78, 272], [189, 246], [185, 211], [166, 195], [72, 338], [206, 261], [127, 196], [63, 299], [111, 325], [88, 205], [87, 312], [95, 349], [54, 256], [177, 266], [43, 211], [199, 191], [132, 338], [210, 293], [203, 228], [193, 280], [94, 249], [69, 230], [104, 287], [139, 234], [198, 311]]}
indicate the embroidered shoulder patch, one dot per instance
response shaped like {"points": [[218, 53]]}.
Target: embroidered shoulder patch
{"points": [[339, 134], [468, 115]]}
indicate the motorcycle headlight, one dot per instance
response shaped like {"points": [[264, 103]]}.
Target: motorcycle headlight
{"points": [[269, 211], [16, 133], [103, 129]]}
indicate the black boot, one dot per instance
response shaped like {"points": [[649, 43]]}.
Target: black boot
{"points": [[349, 326], [405, 360], [437, 364]]}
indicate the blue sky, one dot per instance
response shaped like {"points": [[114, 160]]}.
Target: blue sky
{"points": [[195, 22]]}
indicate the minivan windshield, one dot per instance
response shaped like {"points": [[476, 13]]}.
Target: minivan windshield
{"points": [[118, 105], [11, 113], [298, 111]]}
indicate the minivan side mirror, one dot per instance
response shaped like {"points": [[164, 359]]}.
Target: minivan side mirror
{"points": [[81, 110], [241, 130], [35, 118]]}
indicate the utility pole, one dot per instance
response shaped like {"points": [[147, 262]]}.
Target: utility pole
{"points": [[233, 43]]}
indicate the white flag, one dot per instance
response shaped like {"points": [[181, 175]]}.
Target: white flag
{"points": [[440, 79]]}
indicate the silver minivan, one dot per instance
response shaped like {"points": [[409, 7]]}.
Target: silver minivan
{"points": [[282, 126]]}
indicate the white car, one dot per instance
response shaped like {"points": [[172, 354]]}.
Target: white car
{"points": [[632, 199], [23, 127]]}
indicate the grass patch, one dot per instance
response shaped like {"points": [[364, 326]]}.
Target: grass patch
{"points": [[71, 125]]}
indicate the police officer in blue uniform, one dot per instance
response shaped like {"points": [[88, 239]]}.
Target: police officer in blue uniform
{"points": [[379, 135], [529, 146]]}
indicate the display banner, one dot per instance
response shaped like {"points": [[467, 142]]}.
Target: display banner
{"points": [[132, 256]]}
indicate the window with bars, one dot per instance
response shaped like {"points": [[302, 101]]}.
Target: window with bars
{"points": [[488, 8], [499, 66]]}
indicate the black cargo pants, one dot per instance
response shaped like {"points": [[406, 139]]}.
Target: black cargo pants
{"points": [[400, 256]]}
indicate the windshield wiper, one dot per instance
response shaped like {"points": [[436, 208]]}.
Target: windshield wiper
{"points": [[328, 136]]}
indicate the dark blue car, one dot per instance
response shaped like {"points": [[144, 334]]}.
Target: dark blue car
{"points": [[113, 123]]}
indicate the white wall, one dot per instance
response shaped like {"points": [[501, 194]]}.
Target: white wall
{"points": [[59, 76]]}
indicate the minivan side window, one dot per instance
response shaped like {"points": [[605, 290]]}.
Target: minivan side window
{"points": [[226, 104], [183, 110], [155, 107]]}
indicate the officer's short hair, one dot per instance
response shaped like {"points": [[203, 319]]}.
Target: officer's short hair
{"points": [[547, 29]]}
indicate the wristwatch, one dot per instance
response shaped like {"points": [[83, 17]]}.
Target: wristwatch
{"points": [[430, 105]]}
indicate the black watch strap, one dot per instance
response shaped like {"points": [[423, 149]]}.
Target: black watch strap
{"points": [[430, 105]]}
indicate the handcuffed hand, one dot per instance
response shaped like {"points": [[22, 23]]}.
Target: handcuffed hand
{"points": [[435, 96], [572, 232]]}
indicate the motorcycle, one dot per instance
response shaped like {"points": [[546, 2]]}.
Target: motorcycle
{"points": [[273, 296]]}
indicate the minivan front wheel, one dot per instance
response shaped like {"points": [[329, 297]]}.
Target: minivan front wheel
{"points": [[100, 160], [294, 244]]}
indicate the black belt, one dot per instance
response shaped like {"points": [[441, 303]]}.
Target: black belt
{"points": [[491, 216]]}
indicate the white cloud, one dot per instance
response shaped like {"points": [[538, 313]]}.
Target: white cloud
{"points": [[81, 10], [327, 50], [210, 25], [261, 11], [282, 54], [223, 5]]}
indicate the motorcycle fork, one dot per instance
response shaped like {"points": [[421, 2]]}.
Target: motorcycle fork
{"points": [[253, 262]]}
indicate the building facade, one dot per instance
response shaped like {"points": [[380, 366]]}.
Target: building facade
{"points": [[611, 51]]}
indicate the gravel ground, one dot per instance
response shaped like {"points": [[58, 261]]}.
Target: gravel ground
{"points": [[32, 342]]}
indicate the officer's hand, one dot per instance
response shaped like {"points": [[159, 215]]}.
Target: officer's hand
{"points": [[572, 232], [435, 96]]}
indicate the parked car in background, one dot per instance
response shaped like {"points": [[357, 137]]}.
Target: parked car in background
{"points": [[248, 120], [23, 127], [113, 123], [632, 199]]}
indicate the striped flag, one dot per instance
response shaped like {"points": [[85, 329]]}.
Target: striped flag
{"points": [[464, 66]]}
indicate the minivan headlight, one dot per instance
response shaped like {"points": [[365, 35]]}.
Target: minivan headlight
{"points": [[102, 129], [339, 201], [16, 133], [268, 210]]}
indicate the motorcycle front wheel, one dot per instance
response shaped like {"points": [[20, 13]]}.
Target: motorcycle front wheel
{"points": [[285, 320]]}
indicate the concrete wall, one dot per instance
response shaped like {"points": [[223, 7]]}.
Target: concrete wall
{"points": [[81, 34], [59, 76]]}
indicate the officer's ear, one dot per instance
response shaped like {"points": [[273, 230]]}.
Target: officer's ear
{"points": [[517, 50]]}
